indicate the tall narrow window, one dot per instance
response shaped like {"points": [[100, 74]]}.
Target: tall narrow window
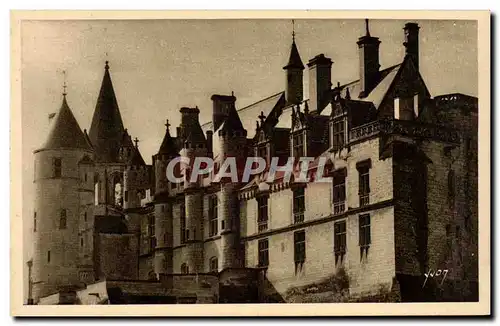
{"points": [[214, 265], [57, 167], [364, 235], [85, 216], [340, 241], [34, 222], [213, 216], [364, 183], [262, 213], [182, 216], [298, 145], [338, 134], [184, 269], [62, 219], [263, 253], [339, 192], [299, 240], [299, 206], [48, 256]]}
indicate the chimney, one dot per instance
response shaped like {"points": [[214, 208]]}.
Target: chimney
{"points": [[210, 134], [221, 107], [320, 81], [411, 42], [368, 61]]}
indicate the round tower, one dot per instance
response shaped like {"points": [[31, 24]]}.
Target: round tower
{"points": [[58, 206], [232, 139], [163, 260], [195, 145]]}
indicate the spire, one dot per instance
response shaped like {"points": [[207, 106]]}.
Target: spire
{"points": [[347, 94], [367, 27], [65, 131], [294, 61], [106, 130], [168, 146]]}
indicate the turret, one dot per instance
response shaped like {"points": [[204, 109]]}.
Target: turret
{"points": [[61, 166], [294, 75], [163, 201]]}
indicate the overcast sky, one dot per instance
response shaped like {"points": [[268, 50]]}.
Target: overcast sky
{"points": [[158, 66]]}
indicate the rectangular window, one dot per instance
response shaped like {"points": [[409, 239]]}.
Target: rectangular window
{"points": [[126, 195], [298, 145], [364, 185], [262, 213], [299, 240], [182, 215], [214, 265], [364, 234], [213, 216], [34, 222], [338, 134], [62, 220], [57, 167], [151, 232], [263, 253], [451, 188], [48, 256], [339, 195], [340, 241], [299, 205]]}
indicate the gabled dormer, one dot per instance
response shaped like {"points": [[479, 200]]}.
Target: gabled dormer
{"points": [[299, 132]]}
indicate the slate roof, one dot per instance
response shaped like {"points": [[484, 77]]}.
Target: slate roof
{"points": [[294, 61], [106, 130], [65, 131]]}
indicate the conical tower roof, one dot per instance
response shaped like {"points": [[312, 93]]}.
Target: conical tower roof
{"points": [[232, 122], [168, 146], [294, 61], [136, 158], [106, 130], [65, 131]]}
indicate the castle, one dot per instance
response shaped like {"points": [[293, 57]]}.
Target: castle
{"points": [[401, 209]]}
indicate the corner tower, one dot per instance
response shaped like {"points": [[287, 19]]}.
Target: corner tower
{"points": [[59, 179]]}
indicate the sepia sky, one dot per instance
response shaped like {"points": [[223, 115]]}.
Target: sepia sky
{"points": [[158, 66]]}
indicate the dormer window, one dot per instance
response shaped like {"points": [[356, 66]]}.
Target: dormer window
{"points": [[338, 134], [298, 144], [262, 151]]}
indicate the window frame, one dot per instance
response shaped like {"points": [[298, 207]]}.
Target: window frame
{"points": [[63, 219], [339, 193], [213, 216], [338, 133], [299, 250], [298, 148], [263, 253], [262, 213], [299, 204], [213, 264], [364, 182], [340, 240], [182, 217], [57, 167], [364, 221]]}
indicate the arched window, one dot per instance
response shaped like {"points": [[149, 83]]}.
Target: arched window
{"points": [[184, 269], [62, 219], [96, 189], [117, 187], [214, 265]]}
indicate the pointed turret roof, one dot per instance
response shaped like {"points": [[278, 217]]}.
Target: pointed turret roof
{"points": [[294, 61], [232, 122], [136, 158], [106, 130], [65, 131], [168, 146]]}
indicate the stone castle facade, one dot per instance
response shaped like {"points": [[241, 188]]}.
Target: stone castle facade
{"points": [[109, 228]]}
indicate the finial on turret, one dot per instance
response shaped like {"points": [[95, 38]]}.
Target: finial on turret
{"points": [[347, 94], [64, 84], [136, 141], [107, 65], [167, 124], [261, 117], [293, 30], [367, 27]]}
